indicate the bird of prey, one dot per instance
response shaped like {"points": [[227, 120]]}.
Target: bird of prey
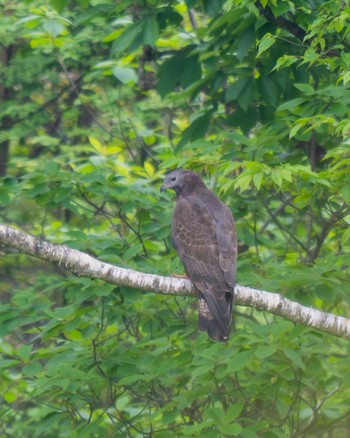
{"points": [[203, 233]]}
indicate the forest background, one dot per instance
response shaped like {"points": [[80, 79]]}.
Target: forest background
{"points": [[98, 99]]}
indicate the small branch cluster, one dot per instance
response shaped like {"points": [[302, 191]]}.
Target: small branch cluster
{"points": [[87, 266]]}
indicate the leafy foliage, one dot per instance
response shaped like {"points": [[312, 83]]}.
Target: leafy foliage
{"points": [[98, 100]]}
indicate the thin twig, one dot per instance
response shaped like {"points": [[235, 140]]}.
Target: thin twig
{"points": [[81, 101]]}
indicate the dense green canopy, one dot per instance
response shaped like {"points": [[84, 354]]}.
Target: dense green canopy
{"points": [[98, 99]]}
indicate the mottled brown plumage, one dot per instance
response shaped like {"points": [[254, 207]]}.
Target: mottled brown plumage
{"points": [[203, 233]]}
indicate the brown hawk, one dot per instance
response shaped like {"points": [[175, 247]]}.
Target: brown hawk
{"points": [[203, 233]]}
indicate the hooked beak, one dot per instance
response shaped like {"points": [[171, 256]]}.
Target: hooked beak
{"points": [[163, 187]]}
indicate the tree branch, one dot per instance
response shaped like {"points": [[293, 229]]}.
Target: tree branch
{"points": [[280, 21], [87, 266], [289, 26]]}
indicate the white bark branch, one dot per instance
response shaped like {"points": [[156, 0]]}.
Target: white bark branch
{"points": [[87, 266]]}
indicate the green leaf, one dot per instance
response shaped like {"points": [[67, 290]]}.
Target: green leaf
{"points": [[191, 70], [291, 105], [286, 174], [236, 89], [53, 27], [91, 13], [246, 96], [233, 411], [4, 198], [277, 177], [305, 88], [196, 130], [294, 357], [258, 179], [230, 429], [169, 73], [126, 75], [215, 413], [263, 352], [32, 369], [246, 42], [285, 61], [110, 37], [24, 351], [9, 396], [132, 251], [295, 129], [240, 361], [243, 182], [265, 43], [59, 5], [151, 31], [127, 38], [345, 192], [268, 89], [8, 363], [73, 335], [202, 370]]}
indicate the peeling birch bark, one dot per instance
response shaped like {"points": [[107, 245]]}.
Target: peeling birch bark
{"points": [[87, 266]]}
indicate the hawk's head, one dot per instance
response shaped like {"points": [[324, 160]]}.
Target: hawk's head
{"points": [[181, 180]]}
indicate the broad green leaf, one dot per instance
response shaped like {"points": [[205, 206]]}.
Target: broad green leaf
{"points": [[151, 31], [74, 335], [132, 251], [265, 43], [8, 363], [263, 352], [294, 357], [32, 369], [243, 182], [246, 42], [169, 73], [127, 38], [91, 13], [196, 130], [125, 75], [59, 5], [216, 413], [111, 37], [24, 351], [258, 179], [236, 89], [277, 177], [240, 361], [4, 198], [96, 144], [245, 97], [285, 61], [9, 396], [233, 412], [149, 169], [295, 129], [305, 88], [291, 105], [231, 429], [286, 174], [53, 27], [268, 89], [190, 70]]}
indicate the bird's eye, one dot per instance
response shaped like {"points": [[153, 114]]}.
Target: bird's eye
{"points": [[173, 178]]}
